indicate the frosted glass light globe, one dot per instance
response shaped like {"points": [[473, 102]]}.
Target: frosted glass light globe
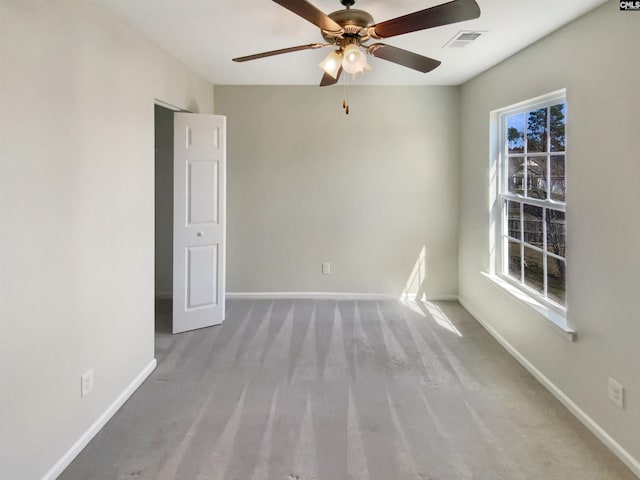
{"points": [[331, 64], [354, 60]]}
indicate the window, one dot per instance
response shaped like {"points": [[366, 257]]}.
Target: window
{"points": [[531, 199]]}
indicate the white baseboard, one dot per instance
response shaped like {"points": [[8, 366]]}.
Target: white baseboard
{"points": [[442, 298], [331, 296], [312, 295], [91, 432], [580, 414]]}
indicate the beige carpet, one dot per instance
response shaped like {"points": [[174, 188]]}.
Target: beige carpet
{"points": [[304, 390]]}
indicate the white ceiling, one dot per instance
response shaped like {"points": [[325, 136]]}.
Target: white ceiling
{"points": [[207, 34]]}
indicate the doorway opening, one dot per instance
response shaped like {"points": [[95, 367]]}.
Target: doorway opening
{"points": [[189, 185], [163, 143]]}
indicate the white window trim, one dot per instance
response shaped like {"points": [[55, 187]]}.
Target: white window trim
{"points": [[549, 310]]}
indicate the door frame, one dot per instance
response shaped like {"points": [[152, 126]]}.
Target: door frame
{"points": [[168, 106]]}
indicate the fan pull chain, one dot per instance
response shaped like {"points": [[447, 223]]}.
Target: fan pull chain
{"points": [[345, 102]]}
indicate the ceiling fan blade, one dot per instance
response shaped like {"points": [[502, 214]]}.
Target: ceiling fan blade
{"points": [[311, 14], [403, 57], [451, 12], [279, 52], [329, 80]]}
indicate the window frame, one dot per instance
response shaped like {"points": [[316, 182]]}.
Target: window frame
{"points": [[501, 229]]}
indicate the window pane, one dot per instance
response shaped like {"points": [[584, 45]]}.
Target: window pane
{"points": [[557, 123], [537, 130], [515, 133], [534, 269], [514, 260], [537, 177], [557, 178], [556, 280], [515, 180], [556, 232], [513, 219], [533, 229]]}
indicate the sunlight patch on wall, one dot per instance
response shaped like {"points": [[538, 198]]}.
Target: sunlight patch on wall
{"points": [[416, 283]]}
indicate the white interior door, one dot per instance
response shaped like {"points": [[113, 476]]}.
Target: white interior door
{"points": [[199, 191]]}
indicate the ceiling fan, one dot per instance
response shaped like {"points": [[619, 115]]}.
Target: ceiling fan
{"points": [[350, 30]]}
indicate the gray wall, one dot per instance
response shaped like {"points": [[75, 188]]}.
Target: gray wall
{"points": [[76, 203], [163, 121], [366, 192], [594, 59]]}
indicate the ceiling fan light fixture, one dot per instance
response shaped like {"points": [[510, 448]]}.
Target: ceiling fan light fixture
{"points": [[349, 29], [354, 60], [332, 63]]}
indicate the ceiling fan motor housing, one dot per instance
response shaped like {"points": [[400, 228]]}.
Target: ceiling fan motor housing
{"points": [[352, 20]]}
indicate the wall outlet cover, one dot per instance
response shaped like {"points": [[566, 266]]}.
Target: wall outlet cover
{"points": [[86, 383], [616, 392]]}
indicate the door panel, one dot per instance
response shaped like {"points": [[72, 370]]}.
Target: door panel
{"points": [[202, 265], [203, 200], [199, 221]]}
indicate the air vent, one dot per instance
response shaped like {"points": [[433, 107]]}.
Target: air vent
{"points": [[462, 39]]}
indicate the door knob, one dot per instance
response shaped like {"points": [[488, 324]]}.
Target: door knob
{"points": [[200, 234]]}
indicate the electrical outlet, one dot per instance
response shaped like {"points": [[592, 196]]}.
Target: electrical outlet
{"points": [[616, 392], [86, 383], [326, 268]]}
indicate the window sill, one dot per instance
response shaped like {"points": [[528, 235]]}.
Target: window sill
{"points": [[553, 318]]}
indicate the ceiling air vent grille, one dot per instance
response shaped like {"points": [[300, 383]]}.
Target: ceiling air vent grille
{"points": [[462, 39]]}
